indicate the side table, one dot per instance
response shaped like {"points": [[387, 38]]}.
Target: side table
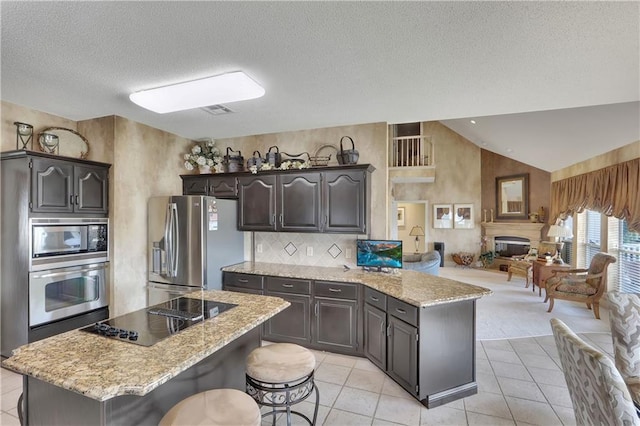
{"points": [[542, 271]]}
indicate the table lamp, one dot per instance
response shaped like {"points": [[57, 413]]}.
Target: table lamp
{"points": [[559, 233], [417, 232]]}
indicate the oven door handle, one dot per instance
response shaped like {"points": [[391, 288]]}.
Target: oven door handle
{"points": [[67, 272]]}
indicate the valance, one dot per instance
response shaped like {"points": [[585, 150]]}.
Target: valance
{"points": [[613, 191]]}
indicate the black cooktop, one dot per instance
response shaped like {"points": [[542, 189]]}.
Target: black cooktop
{"points": [[148, 326]]}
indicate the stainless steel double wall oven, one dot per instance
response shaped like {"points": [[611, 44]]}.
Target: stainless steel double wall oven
{"points": [[68, 268], [54, 239]]}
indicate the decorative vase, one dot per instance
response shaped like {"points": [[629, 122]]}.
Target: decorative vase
{"points": [[204, 170]]}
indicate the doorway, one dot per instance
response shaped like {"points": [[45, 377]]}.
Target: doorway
{"points": [[410, 215]]}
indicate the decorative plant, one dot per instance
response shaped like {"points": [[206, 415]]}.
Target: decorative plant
{"points": [[285, 165], [203, 153]]}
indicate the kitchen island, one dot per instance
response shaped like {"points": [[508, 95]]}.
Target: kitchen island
{"points": [[417, 328], [87, 379]]}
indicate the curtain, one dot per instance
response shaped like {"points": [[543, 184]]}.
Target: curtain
{"points": [[613, 191]]}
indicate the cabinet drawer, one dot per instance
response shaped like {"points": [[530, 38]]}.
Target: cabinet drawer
{"points": [[288, 285], [336, 290], [404, 311], [375, 298], [233, 279]]}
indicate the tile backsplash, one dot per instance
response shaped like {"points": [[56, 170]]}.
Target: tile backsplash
{"points": [[305, 249]]}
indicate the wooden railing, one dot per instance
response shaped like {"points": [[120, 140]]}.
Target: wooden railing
{"points": [[412, 151]]}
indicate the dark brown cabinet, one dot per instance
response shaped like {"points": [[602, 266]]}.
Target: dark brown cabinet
{"points": [[257, 206], [242, 283], [62, 186], [346, 198], [336, 319], [333, 200], [293, 324], [220, 186], [375, 335], [402, 353]]}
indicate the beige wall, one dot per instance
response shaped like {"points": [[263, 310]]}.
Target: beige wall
{"points": [[620, 155], [39, 120], [457, 181]]}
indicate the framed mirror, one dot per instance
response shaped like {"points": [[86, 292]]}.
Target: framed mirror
{"points": [[70, 143], [512, 197]]}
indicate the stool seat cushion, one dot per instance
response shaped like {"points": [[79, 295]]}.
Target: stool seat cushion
{"points": [[223, 407], [280, 363]]}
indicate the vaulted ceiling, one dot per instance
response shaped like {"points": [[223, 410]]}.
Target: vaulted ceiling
{"points": [[548, 83]]}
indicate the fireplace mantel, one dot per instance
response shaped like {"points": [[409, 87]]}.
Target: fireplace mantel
{"points": [[529, 230]]}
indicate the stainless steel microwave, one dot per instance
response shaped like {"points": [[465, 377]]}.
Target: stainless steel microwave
{"points": [[62, 242]]}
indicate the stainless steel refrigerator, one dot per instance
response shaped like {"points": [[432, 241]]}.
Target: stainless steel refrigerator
{"points": [[190, 238]]}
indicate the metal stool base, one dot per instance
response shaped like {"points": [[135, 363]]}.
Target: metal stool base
{"points": [[281, 396]]}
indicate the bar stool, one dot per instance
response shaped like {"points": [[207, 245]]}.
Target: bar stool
{"points": [[218, 407], [281, 375]]}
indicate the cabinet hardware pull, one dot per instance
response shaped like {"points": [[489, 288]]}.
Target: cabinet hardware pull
{"points": [[375, 299], [70, 199], [382, 327], [316, 309], [281, 219], [76, 199], [402, 311], [273, 219], [242, 280], [335, 290], [287, 285]]}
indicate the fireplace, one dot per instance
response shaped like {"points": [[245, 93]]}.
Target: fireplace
{"points": [[522, 230], [509, 246]]}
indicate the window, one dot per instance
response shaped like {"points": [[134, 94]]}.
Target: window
{"points": [[596, 232]]}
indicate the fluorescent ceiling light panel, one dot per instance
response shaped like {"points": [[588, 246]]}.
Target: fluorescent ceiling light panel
{"points": [[224, 88]]}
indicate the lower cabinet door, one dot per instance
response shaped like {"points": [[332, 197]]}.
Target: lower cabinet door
{"points": [[335, 324], [375, 336], [402, 354], [292, 324]]}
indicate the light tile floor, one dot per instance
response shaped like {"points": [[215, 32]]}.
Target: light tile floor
{"points": [[519, 381]]}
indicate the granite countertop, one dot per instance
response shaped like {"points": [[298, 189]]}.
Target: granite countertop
{"points": [[416, 288], [102, 368]]}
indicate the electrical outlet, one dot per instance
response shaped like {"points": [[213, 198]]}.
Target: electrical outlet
{"points": [[259, 248], [309, 251], [348, 253]]}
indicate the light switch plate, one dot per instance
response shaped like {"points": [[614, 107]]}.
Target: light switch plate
{"points": [[309, 251], [348, 253], [259, 248]]}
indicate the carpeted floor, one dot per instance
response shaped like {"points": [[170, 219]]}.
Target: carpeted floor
{"points": [[513, 311]]}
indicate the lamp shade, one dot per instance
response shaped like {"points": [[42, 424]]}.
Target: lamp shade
{"points": [[417, 231], [558, 231]]}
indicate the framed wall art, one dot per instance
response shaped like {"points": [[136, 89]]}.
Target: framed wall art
{"points": [[512, 197], [442, 216], [400, 216], [463, 216]]}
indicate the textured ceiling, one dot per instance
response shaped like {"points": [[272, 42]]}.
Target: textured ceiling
{"points": [[506, 64]]}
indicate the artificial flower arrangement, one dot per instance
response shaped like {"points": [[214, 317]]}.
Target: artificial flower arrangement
{"points": [[285, 165], [203, 154]]}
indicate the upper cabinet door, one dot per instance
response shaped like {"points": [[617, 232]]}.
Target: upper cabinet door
{"points": [[51, 186], [299, 202], [223, 187], [91, 189], [257, 206], [345, 201], [194, 185]]}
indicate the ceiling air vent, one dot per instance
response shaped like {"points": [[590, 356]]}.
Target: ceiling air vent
{"points": [[217, 109]]}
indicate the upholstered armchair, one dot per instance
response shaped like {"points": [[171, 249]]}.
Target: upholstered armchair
{"points": [[598, 393], [580, 285], [624, 318]]}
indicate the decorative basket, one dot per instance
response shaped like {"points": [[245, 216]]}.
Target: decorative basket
{"points": [[463, 259], [348, 156], [233, 163], [255, 161], [273, 158], [297, 158], [321, 160]]}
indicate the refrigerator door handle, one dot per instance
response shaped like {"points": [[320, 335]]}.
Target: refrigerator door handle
{"points": [[167, 242], [175, 249]]}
